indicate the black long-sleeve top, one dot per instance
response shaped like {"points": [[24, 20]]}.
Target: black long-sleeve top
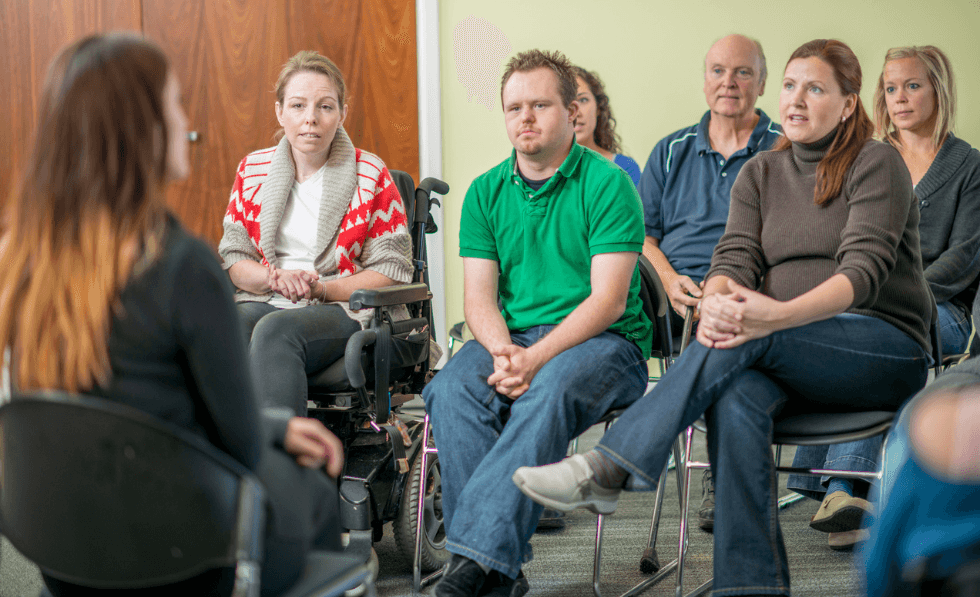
{"points": [[177, 350]]}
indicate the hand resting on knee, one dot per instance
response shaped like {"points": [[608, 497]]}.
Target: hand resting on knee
{"points": [[314, 445]]}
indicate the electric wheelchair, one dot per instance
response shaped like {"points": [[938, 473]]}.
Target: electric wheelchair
{"points": [[359, 398]]}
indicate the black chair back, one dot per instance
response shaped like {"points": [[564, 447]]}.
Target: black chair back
{"points": [[103, 495], [656, 305]]}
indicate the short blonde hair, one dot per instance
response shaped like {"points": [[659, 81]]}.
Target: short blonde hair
{"points": [[940, 75], [314, 62]]}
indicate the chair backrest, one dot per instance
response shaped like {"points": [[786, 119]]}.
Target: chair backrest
{"points": [[656, 305], [103, 495], [420, 221]]}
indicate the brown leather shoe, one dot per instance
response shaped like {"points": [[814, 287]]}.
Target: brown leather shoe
{"points": [[840, 512]]}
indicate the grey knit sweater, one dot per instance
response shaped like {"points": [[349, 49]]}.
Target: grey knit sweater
{"points": [[362, 222], [778, 240], [949, 223]]}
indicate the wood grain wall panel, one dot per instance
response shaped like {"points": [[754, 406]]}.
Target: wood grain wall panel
{"points": [[387, 79], [374, 44], [33, 32], [228, 55], [180, 29]]}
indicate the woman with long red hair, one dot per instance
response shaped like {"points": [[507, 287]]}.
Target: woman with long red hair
{"points": [[104, 293]]}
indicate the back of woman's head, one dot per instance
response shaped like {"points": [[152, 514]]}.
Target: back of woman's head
{"points": [[853, 133], [940, 72], [605, 126], [89, 203]]}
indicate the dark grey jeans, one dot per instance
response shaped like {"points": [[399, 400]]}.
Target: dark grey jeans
{"points": [[286, 345]]}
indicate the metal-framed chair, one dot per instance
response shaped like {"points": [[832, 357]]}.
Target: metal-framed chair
{"points": [[656, 305], [801, 429], [103, 495]]}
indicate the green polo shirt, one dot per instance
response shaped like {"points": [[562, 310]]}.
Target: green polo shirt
{"points": [[544, 241]]}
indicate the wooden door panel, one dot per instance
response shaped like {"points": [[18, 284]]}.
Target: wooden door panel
{"points": [[33, 32], [385, 108], [228, 56]]}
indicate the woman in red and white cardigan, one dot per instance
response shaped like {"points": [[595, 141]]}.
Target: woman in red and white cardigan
{"points": [[309, 222]]}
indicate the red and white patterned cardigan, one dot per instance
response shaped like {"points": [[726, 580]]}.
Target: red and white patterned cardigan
{"points": [[362, 223]]}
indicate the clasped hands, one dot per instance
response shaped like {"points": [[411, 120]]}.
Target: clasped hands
{"points": [[513, 369], [731, 318], [294, 284]]}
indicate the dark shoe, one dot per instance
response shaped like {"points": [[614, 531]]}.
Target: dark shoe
{"points": [[706, 513], [501, 585], [839, 513], [463, 578], [551, 520]]}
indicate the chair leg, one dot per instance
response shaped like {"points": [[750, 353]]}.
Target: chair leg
{"points": [[685, 489], [597, 559], [679, 464], [659, 572], [649, 562]]}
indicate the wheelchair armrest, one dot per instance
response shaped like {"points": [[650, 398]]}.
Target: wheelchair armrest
{"points": [[389, 295]]}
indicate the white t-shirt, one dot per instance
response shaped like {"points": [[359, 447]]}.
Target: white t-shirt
{"points": [[296, 237]]}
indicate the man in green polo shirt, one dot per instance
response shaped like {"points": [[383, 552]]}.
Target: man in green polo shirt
{"points": [[554, 233]]}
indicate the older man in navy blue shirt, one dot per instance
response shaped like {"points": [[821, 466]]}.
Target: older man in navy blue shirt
{"points": [[686, 185]]}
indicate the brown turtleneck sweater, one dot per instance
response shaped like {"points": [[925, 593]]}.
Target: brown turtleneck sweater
{"points": [[778, 241]]}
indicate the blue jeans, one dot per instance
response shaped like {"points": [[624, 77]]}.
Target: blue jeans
{"points": [[859, 456], [849, 361], [954, 328], [483, 437]]}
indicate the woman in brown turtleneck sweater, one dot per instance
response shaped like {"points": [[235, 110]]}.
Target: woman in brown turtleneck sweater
{"points": [[815, 300]]}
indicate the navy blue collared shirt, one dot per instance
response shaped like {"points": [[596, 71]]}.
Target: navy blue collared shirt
{"points": [[686, 188]]}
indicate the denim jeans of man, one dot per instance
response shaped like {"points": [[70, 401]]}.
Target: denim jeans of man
{"points": [[954, 328], [483, 437], [849, 361]]}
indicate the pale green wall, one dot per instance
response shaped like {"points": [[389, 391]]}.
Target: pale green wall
{"points": [[650, 55]]}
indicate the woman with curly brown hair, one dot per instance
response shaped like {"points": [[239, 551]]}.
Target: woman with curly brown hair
{"points": [[595, 126]]}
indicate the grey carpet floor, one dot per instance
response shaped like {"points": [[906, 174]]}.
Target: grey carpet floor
{"points": [[563, 558]]}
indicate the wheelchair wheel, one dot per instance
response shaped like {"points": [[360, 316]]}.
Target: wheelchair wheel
{"points": [[434, 553]]}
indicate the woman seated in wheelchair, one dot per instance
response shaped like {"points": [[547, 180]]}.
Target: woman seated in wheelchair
{"points": [[106, 294], [310, 221], [815, 301]]}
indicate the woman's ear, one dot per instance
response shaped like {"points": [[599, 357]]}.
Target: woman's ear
{"points": [[850, 104]]}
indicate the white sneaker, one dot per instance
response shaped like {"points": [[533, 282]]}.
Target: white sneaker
{"points": [[565, 486]]}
